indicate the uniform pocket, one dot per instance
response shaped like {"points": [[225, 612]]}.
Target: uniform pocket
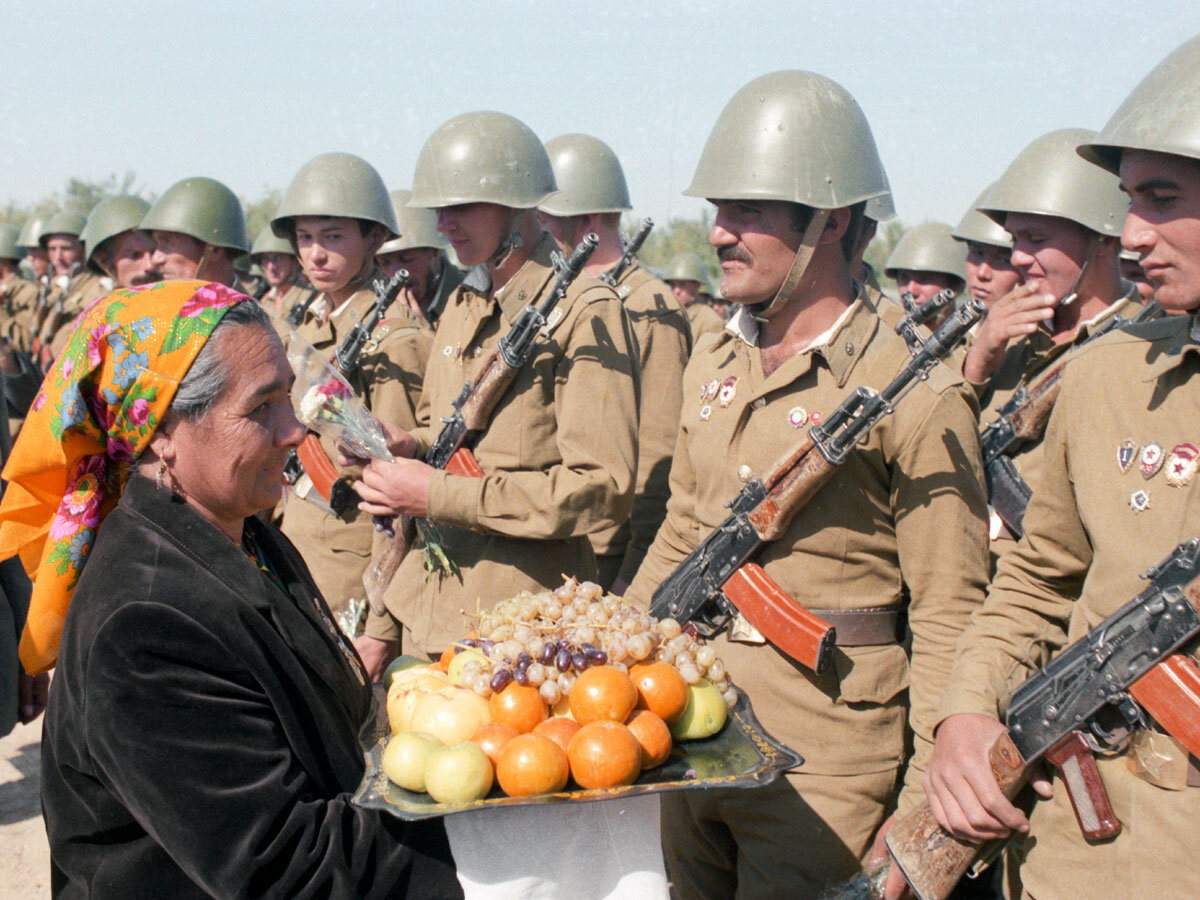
{"points": [[871, 674]]}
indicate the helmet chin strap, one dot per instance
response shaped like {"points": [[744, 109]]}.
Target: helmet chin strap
{"points": [[507, 245], [804, 255]]}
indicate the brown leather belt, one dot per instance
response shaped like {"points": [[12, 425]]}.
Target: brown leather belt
{"points": [[864, 627]]}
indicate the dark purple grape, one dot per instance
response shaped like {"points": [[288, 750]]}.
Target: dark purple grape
{"points": [[524, 659], [520, 676], [500, 680], [469, 642], [597, 657], [548, 651], [562, 659], [486, 647], [458, 648], [587, 648], [579, 660]]}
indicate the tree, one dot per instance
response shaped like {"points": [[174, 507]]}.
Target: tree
{"points": [[260, 212]]}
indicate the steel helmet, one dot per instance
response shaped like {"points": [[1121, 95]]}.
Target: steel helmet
{"points": [[881, 208], [201, 208], [1161, 114], [416, 227], [975, 226], [31, 233], [482, 157], [338, 185], [686, 267], [9, 248], [793, 136], [929, 247], [589, 177], [62, 223], [267, 242], [108, 218], [1048, 178]]}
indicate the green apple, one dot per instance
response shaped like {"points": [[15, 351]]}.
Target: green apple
{"points": [[405, 756], [705, 713], [455, 669], [399, 665], [460, 773]]}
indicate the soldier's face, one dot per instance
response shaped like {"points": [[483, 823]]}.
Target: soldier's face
{"points": [[685, 291], [923, 285], [278, 268], [176, 255], [332, 250], [756, 243], [419, 262], [64, 250], [1163, 224], [128, 259], [1049, 252], [38, 259], [475, 230], [990, 272]]}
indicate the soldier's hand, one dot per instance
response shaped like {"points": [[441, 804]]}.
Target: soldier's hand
{"points": [[408, 300], [1016, 314], [895, 887], [400, 487], [376, 655], [400, 444]]}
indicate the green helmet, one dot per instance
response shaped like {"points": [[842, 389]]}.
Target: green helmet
{"points": [[1048, 178], [1161, 114], [792, 136], [482, 157], [416, 227], [686, 267], [31, 233], [335, 184], [108, 218], [9, 248], [929, 247], [975, 226], [589, 177], [881, 208], [267, 242], [203, 209], [63, 223]]}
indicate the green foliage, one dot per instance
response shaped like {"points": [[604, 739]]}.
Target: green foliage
{"points": [[260, 212], [78, 196]]}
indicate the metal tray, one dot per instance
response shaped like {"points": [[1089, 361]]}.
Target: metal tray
{"points": [[742, 755]]}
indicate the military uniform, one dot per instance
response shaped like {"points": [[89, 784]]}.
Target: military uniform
{"points": [[18, 301], [901, 526], [664, 344], [559, 455], [703, 320], [1086, 538], [279, 305], [388, 380], [84, 289]]}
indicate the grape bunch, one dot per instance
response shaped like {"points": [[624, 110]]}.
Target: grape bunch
{"points": [[546, 640]]}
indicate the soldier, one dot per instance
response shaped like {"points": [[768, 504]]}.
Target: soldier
{"points": [[687, 278], [114, 244], [789, 165], [560, 450], [989, 269], [18, 296], [283, 275], [421, 251], [73, 286], [335, 215], [30, 241], [591, 196], [1127, 402], [36, 267], [60, 240], [926, 261], [1131, 271], [199, 229], [878, 210]]}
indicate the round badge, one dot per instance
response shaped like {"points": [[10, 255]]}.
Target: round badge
{"points": [[797, 416]]}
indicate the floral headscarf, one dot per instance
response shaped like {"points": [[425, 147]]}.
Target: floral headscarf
{"points": [[94, 415]]}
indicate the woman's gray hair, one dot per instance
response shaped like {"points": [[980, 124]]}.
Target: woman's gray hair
{"points": [[208, 377]]}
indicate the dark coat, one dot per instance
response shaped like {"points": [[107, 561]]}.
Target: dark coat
{"points": [[200, 738]]}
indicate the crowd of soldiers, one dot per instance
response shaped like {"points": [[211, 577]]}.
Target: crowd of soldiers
{"points": [[645, 409]]}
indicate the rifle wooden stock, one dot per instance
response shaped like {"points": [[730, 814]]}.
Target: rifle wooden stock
{"points": [[1170, 693], [385, 563], [1029, 422], [791, 483], [797, 632], [491, 382], [317, 466]]}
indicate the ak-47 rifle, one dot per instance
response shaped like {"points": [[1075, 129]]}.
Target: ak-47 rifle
{"points": [[916, 314], [1023, 418], [309, 459], [473, 408], [629, 249], [716, 581], [1092, 694], [295, 315]]}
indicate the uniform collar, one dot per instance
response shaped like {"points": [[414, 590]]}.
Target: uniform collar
{"points": [[525, 287], [1182, 340]]}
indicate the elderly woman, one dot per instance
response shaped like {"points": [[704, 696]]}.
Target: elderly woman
{"points": [[200, 739]]}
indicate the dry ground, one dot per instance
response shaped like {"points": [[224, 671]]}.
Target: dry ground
{"points": [[24, 854]]}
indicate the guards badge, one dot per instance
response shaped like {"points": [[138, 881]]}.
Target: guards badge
{"points": [[727, 391], [1182, 463], [1127, 452], [1151, 460]]}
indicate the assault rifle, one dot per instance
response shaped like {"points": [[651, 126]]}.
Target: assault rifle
{"points": [[629, 249], [918, 314], [295, 315], [1092, 694], [1023, 418], [716, 581], [474, 405]]}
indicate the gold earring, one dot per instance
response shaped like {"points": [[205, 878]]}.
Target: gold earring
{"points": [[161, 473]]}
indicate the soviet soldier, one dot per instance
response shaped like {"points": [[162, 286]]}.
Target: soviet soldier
{"points": [[926, 261], [421, 251], [559, 453], [687, 278], [114, 244], [284, 278], [29, 240], [35, 266], [336, 214], [876, 537], [18, 295], [989, 269], [198, 229], [1118, 492], [73, 286], [1131, 271], [592, 194]]}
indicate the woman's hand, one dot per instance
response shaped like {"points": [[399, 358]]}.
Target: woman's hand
{"points": [[1016, 314], [31, 694], [399, 442], [400, 487]]}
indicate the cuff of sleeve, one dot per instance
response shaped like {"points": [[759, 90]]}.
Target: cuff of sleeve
{"points": [[382, 627], [454, 500], [967, 698]]}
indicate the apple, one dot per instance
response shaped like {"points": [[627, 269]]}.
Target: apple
{"points": [[705, 713], [405, 756], [406, 691], [455, 670], [460, 773], [451, 714], [399, 665]]}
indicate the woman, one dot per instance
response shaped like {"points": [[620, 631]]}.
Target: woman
{"points": [[200, 738]]}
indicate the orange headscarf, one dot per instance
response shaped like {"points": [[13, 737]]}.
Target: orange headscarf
{"points": [[94, 415]]}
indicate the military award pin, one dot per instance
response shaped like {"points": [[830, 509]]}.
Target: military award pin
{"points": [[708, 393], [728, 390], [797, 416], [1139, 501], [1127, 452], [1182, 463], [1151, 460], [705, 412]]}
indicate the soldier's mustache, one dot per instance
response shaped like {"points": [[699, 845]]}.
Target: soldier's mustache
{"points": [[733, 254], [147, 277]]}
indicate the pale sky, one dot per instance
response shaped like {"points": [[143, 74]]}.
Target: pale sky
{"points": [[246, 92]]}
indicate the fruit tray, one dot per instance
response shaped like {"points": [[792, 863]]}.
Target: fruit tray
{"points": [[742, 755]]}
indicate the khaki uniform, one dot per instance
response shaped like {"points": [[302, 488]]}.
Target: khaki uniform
{"points": [[559, 455], [900, 524], [388, 380], [1084, 548], [279, 305], [449, 279], [664, 343], [84, 289], [18, 301], [703, 320]]}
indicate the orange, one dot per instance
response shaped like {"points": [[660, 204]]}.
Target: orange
{"points": [[653, 736], [518, 705], [602, 693], [559, 729], [492, 737], [532, 764], [604, 754], [661, 689]]}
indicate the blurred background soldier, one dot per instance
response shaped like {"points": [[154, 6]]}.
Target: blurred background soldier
{"points": [[686, 275], [926, 261], [198, 229], [36, 258], [18, 295], [989, 268], [114, 244], [421, 251], [592, 194], [877, 210], [284, 278], [1131, 271], [72, 287]]}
